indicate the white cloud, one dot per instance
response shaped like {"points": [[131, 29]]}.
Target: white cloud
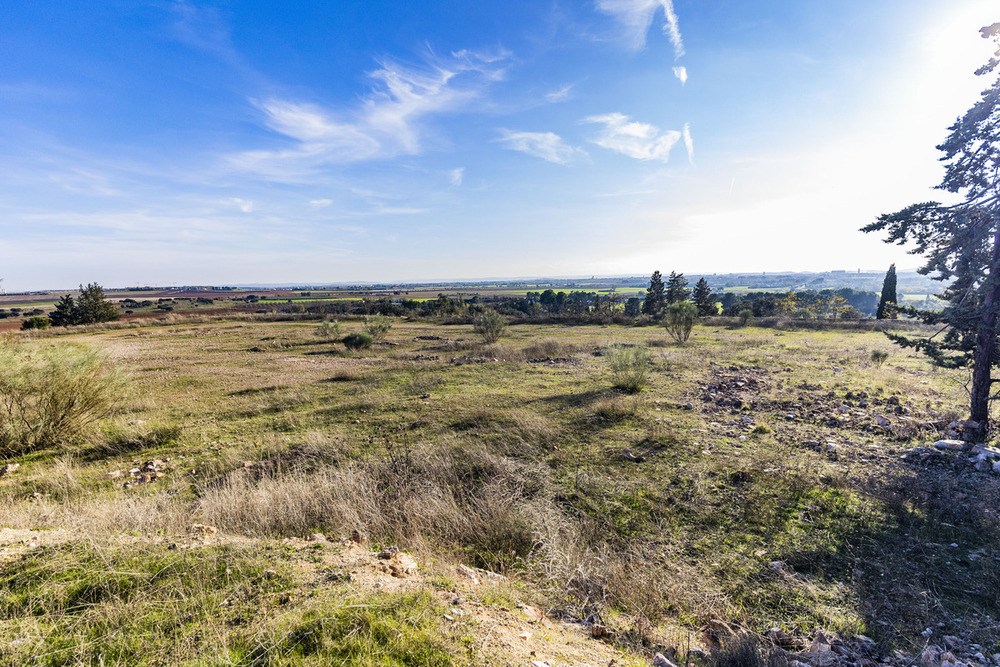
{"points": [[636, 16], [320, 203], [560, 95], [546, 145], [688, 142], [682, 74], [672, 28], [244, 205], [385, 124], [456, 176], [641, 141]]}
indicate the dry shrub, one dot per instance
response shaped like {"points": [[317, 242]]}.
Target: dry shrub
{"points": [[510, 428], [52, 394], [550, 348], [584, 573], [744, 650], [468, 500], [629, 367], [615, 409]]}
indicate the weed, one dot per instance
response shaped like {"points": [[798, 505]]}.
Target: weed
{"points": [[629, 367], [878, 357]]}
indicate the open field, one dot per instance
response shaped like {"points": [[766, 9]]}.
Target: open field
{"points": [[755, 482]]}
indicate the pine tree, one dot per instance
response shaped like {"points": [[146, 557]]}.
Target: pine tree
{"points": [[64, 314], [704, 299], [654, 296], [93, 307], [677, 288], [962, 244], [887, 304]]}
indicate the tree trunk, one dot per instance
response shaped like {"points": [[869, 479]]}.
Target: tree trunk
{"points": [[986, 339]]}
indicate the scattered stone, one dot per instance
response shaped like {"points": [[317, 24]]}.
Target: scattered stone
{"points": [[660, 660], [358, 537], [202, 532], [985, 452], [923, 455], [388, 552], [779, 637], [402, 565], [317, 537], [954, 445], [9, 468], [533, 613], [115, 474], [467, 571]]}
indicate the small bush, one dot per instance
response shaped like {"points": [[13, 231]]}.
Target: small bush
{"points": [[878, 357], [357, 341], [629, 367], [745, 316], [377, 326], [328, 329], [36, 323], [490, 325], [52, 394], [679, 320]]}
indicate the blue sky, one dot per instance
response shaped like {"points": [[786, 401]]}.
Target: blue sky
{"points": [[248, 141]]}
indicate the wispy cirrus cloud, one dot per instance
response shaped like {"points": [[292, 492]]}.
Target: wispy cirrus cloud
{"points": [[546, 145], [636, 16], [688, 142], [641, 141], [388, 122], [560, 95], [455, 176]]}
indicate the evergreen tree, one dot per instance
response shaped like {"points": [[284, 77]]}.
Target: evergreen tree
{"points": [[677, 288], [65, 312], [704, 299], [654, 296], [93, 307], [887, 304], [962, 244]]}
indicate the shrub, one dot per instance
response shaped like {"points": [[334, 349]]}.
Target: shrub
{"points": [[52, 394], [679, 319], [745, 316], [36, 323], [878, 357], [490, 325], [377, 326], [328, 329], [357, 341], [629, 367]]}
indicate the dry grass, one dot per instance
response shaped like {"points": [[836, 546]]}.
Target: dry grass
{"points": [[520, 466]]}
